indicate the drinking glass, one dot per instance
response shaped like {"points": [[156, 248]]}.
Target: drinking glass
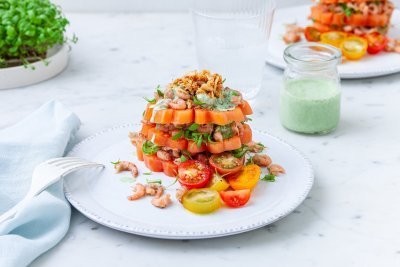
{"points": [[231, 39]]}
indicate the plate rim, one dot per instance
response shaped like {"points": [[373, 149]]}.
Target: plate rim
{"points": [[276, 62], [165, 234]]}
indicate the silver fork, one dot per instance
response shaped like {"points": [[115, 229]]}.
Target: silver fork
{"points": [[46, 174]]}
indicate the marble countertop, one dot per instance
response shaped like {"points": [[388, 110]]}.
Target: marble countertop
{"points": [[351, 216]]}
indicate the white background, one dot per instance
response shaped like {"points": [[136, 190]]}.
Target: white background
{"points": [[148, 5]]}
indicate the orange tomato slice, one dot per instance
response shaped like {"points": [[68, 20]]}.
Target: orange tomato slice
{"points": [[215, 147], [194, 149], [246, 108], [354, 47], [334, 38], [183, 116], [180, 144], [232, 143], [218, 117], [247, 178], [163, 116], [235, 115], [170, 168], [201, 116], [247, 136], [153, 163]]}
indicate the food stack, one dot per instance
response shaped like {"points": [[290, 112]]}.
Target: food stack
{"points": [[194, 117], [352, 16]]}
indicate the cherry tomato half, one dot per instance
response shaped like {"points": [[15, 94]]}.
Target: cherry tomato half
{"points": [[354, 47], [236, 198], [201, 201], [247, 178], [334, 38], [312, 34], [193, 174], [376, 42], [226, 163]]}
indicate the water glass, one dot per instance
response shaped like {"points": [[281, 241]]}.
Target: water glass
{"points": [[231, 39]]}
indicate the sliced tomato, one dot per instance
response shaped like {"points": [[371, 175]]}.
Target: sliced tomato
{"points": [[338, 19], [146, 127], [247, 178], [246, 108], [153, 163], [180, 144], [326, 18], [139, 151], [354, 48], [226, 163], [334, 38], [201, 116], [148, 113], [218, 117], [163, 116], [215, 147], [358, 20], [201, 200], [312, 34], [170, 168], [232, 143], [194, 174], [235, 115], [185, 116], [376, 42], [235, 199], [321, 27], [247, 136], [218, 182], [158, 137]]}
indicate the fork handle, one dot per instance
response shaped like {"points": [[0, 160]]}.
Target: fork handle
{"points": [[13, 211]]}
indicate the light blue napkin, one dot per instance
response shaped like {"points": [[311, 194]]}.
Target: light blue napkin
{"points": [[45, 220]]}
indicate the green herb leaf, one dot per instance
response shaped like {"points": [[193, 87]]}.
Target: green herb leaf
{"points": [[115, 162], [268, 178], [154, 181], [183, 158], [186, 153], [159, 92], [249, 161], [239, 153], [149, 148], [151, 101], [177, 136], [196, 101], [147, 173], [193, 127], [223, 80], [248, 119]]}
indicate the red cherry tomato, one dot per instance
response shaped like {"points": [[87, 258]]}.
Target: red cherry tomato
{"points": [[312, 34], [194, 174], [235, 199], [226, 163], [376, 42]]}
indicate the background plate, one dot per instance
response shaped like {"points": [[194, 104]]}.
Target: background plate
{"points": [[369, 66], [101, 195]]}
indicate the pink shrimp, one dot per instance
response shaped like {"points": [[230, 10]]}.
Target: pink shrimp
{"points": [[218, 136], [205, 128], [154, 190], [276, 169], [180, 192], [164, 155], [121, 166], [161, 202], [181, 93], [237, 128], [139, 191], [262, 160], [178, 104], [255, 147]]}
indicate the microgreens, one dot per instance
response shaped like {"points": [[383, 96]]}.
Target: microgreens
{"points": [[159, 92], [147, 173], [177, 136], [154, 181], [223, 80], [268, 178], [183, 158], [240, 152], [193, 127], [196, 101], [151, 101], [116, 162], [149, 148]]}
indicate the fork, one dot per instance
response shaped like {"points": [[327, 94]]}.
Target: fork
{"points": [[46, 174]]}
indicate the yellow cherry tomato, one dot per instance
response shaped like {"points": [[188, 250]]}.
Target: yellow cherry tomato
{"points": [[334, 38], [247, 178], [218, 183], [354, 48], [201, 201]]}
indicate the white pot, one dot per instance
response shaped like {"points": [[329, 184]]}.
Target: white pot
{"points": [[19, 76]]}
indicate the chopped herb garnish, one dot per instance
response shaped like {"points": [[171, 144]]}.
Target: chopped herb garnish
{"points": [[186, 153], [115, 162], [183, 158], [177, 136], [223, 80], [240, 152], [249, 161], [196, 101], [248, 119], [193, 127], [159, 92], [154, 181], [151, 101], [147, 173], [149, 148], [268, 178]]}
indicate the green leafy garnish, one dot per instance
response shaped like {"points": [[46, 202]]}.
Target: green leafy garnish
{"points": [[186, 153], [183, 158], [147, 173], [151, 101], [154, 181], [115, 162], [193, 127], [196, 101], [240, 152], [248, 119], [149, 148], [159, 92], [223, 80], [268, 178], [177, 136], [249, 161], [225, 130]]}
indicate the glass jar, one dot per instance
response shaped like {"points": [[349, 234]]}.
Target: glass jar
{"points": [[310, 98]]}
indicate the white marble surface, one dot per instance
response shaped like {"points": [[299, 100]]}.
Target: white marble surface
{"points": [[351, 217]]}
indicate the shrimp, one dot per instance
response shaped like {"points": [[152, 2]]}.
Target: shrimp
{"points": [[161, 202], [169, 93], [205, 128], [276, 169], [139, 191], [255, 147], [135, 138], [120, 166], [236, 97], [293, 33], [262, 160], [176, 153], [178, 103], [164, 155], [237, 128], [154, 190], [218, 136], [181, 93], [393, 45], [180, 192]]}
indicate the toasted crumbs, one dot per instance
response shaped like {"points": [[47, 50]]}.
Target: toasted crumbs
{"points": [[199, 83]]}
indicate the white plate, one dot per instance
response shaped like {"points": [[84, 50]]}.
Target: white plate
{"points": [[369, 66], [19, 76], [101, 195]]}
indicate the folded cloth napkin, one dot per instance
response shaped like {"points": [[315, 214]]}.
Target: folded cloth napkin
{"points": [[45, 220]]}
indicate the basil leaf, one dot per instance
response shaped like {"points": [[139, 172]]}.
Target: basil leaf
{"points": [[269, 178], [239, 153], [177, 136], [193, 127], [196, 101]]}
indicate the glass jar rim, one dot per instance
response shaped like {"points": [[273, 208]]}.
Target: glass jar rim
{"points": [[331, 54]]}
